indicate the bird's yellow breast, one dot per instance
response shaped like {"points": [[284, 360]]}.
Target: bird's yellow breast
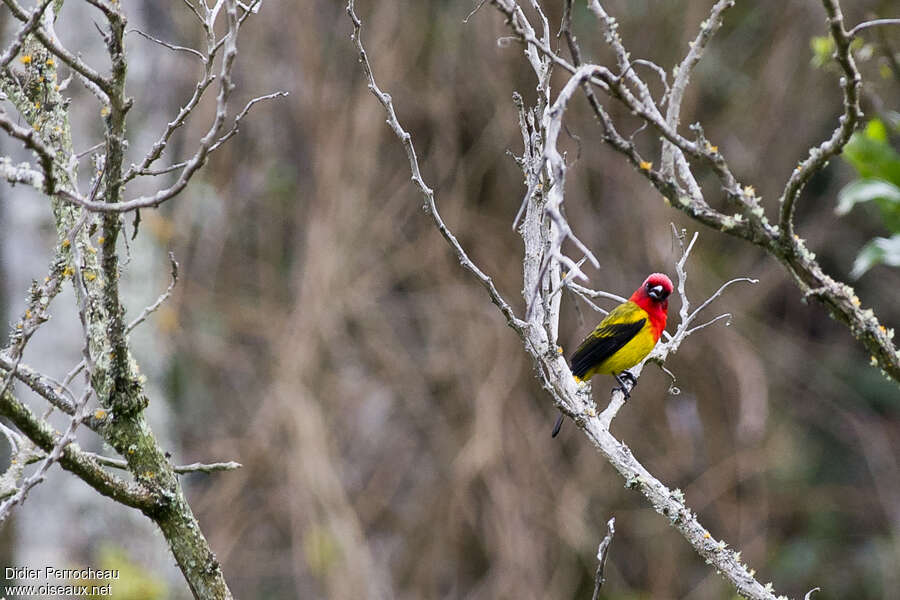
{"points": [[629, 355]]}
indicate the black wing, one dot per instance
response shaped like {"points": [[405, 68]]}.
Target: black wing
{"points": [[601, 344]]}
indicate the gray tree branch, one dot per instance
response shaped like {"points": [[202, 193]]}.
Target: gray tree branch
{"points": [[750, 223], [110, 369], [538, 331]]}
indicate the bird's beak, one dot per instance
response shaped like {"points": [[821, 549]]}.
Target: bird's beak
{"points": [[657, 292]]}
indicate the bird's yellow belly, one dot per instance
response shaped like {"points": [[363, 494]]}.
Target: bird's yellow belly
{"points": [[629, 355]]}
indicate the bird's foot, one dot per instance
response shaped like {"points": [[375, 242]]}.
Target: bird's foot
{"points": [[622, 386]]}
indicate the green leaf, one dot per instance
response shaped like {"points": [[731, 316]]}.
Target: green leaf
{"points": [[866, 190], [875, 130], [870, 153], [878, 251], [823, 48]]}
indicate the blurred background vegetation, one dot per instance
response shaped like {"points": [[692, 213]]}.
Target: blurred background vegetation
{"points": [[394, 439]]}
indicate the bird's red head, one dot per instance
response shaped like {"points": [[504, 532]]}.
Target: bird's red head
{"points": [[653, 297]]}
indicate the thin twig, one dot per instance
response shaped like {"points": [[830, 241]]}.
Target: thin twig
{"points": [[33, 141], [750, 225], [196, 12], [539, 340], [187, 167], [21, 173], [162, 298], [52, 44], [33, 21], [428, 194], [53, 456], [474, 10], [847, 122], [556, 172], [602, 553], [875, 23], [719, 293], [168, 45], [157, 149], [710, 322], [240, 116], [118, 463], [595, 293], [94, 148], [708, 29], [73, 458]]}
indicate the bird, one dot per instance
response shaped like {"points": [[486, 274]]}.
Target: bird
{"points": [[624, 337]]}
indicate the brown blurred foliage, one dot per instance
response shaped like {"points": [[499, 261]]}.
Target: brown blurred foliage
{"points": [[395, 442]]}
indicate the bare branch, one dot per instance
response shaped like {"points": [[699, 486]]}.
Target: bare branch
{"points": [[556, 171], [53, 456], [682, 331], [160, 145], [21, 453], [595, 293], [708, 29], [529, 160], [168, 45], [647, 105], [719, 293], [39, 383], [710, 322], [21, 173], [33, 141], [33, 317], [33, 21], [213, 139], [588, 301], [847, 122], [567, 276], [538, 334], [107, 364], [248, 10], [868, 24], [194, 10], [94, 148], [431, 207], [49, 41], [602, 552], [644, 107], [159, 301], [659, 71], [750, 225], [73, 459], [575, 51], [474, 10], [213, 47], [681, 273], [118, 463], [101, 96], [208, 467], [103, 6], [237, 120], [556, 166]]}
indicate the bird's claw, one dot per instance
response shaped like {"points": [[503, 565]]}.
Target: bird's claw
{"points": [[622, 386]]}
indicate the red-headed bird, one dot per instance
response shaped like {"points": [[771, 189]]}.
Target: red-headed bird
{"points": [[625, 337]]}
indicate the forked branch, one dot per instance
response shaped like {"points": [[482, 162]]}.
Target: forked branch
{"points": [[538, 330]]}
